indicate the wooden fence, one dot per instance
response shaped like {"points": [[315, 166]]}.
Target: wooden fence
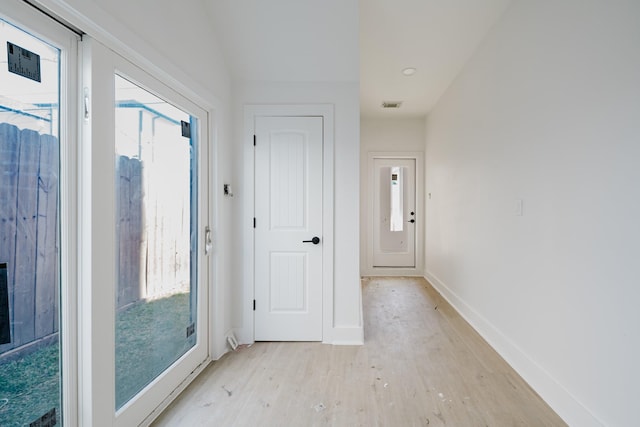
{"points": [[29, 232], [153, 231], [152, 227], [131, 263]]}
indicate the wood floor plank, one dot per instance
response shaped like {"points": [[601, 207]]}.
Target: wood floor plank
{"points": [[421, 365]]}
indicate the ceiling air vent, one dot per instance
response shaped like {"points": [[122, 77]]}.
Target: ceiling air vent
{"points": [[391, 104]]}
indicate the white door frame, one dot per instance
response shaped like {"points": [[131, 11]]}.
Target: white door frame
{"points": [[246, 333], [367, 187]]}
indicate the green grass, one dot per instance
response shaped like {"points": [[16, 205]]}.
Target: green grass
{"points": [[150, 336], [30, 387]]}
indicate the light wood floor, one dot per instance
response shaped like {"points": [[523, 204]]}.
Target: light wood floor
{"points": [[421, 365]]}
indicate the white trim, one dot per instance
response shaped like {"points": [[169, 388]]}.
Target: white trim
{"points": [[69, 155], [246, 333], [567, 406], [418, 270], [217, 309], [340, 335], [393, 272], [96, 310]]}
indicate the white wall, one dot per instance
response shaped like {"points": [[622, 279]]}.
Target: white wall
{"points": [[547, 111], [392, 135], [174, 41], [347, 317], [175, 36]]}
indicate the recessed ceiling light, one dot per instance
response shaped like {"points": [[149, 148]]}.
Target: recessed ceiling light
{"points": [[409, 71]]}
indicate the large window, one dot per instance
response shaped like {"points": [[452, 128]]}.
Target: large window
{"points": [[32, 118], [144, 198], [156, 229]]}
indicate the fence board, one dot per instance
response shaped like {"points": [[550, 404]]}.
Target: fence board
{"points": [[27, 214], [9, 144], [123, 230], [46, 301], [131, 263], [29, 165], [136, 225], [5, 323]]}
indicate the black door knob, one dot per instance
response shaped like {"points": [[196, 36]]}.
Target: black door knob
{"points": [[412, 221], [315, 241]]}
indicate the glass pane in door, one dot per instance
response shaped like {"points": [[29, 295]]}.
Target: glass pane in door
{"points": [[30, 378], [393, 234], [155, 236], [396, 199]]}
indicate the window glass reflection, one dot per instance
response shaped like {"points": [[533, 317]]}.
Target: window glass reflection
{"points": [[155, 223]]}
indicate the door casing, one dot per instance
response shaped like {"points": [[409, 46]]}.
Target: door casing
{"points": [[326, 111]]}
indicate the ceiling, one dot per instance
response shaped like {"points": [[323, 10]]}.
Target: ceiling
{"points": [[288, 40], [313, 40]]}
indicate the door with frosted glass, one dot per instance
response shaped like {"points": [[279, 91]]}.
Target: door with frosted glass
{"points": [[33, 123], [394, 212]]}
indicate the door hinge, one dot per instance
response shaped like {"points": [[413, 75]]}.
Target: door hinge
{"points": [[254, 222], [254, 140], [254, 305]]}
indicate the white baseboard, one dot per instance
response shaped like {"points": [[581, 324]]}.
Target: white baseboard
{"points": [[550, 390], [334, 336], [244, 335], [392, 272], [345, 336]]}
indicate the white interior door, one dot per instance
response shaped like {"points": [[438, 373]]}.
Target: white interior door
{"points": [[288, 228], [394, 212]]}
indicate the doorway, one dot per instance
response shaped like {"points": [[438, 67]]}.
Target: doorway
{"points": [[290, 149], [394, 220], [394, 213]]}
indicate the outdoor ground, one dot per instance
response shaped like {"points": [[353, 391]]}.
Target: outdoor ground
{"points": [[29, 386], [149, 338]]}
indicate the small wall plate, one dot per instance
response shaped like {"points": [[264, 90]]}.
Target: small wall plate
{"points": [[233, 342]]}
